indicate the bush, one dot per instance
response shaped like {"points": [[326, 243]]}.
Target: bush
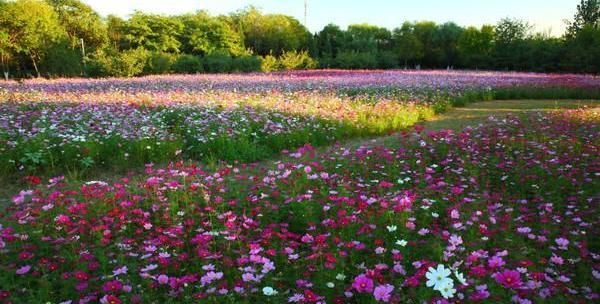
{"points": [[187, 64], [100, 63], [356, 60], [218, 63], [159, 63], [327, 62], [387, 60], [131, 63], [293, 60], [61, 60], [247, 64], [270, 64]]}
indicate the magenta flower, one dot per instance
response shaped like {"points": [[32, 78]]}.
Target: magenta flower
{"points": [[509, 278], [362, 284], [383, 293]]}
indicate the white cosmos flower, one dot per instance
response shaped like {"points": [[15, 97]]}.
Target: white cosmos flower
{"points": [[448, 290], [392, 228], [340, 277], [438, 277], [461, 278], [269, 291], [401, 243]]}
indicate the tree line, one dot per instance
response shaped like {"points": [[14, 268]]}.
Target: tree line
{"points": [[68, 38]]}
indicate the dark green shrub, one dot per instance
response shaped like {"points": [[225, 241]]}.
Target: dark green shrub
{"points": [[218, 63], [159, 63], [62, 60], [387, 60], [187, 64], [356, 60], [247, 64]]}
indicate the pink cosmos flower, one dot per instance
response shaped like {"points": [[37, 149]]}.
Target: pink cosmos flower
{"points": [[383, 293], [162, 279], [23, 270], [562, 243], [362, 283], [509, 278]]}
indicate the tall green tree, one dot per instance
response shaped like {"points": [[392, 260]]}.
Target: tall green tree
{"points": [[588, 14], [151, 32], [510, 35], [81, 22], [407, 45], [203, 34], [330, 41], [270, 33], [30, 27], [426, 32], [475, 47], [447, 37], [367, 38]]}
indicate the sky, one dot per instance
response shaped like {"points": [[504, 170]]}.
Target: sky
{"points": [[546, 16]]}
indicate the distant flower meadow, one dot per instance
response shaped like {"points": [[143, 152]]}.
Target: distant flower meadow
{"points": [[49, 126], [503, 212]]}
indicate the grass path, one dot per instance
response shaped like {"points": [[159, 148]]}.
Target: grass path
{"points": [[473, 114], [456, 119]]}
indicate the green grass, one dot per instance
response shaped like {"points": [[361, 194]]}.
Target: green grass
{"points": [[475, 113]]}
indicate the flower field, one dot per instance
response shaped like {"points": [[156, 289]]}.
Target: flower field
{"points": [[507, 211], [502, 212], [76, 125]]}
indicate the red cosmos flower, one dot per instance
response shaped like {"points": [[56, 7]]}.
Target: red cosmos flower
{"points": [[81, 275], [509, 278], [4, 294], [310, 296], [112, 286], [111, 299], [33, 180]]}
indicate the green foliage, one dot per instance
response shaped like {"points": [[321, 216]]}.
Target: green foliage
{"points": [[187, 64], [293, 60], [270, 33], [80, 21], [247, 64], [583, 51], [356, 60], [61, 60], [112, 63], [408, 47], [203, 34], [159, 63], [218, 62], [30, 27], [587, 15], [152, 32], [475, 46], [270, 64], [387, 60], [131, 62]]}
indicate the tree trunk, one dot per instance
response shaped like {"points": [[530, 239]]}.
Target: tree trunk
{"points": [[5, 67], [37, 71]]}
